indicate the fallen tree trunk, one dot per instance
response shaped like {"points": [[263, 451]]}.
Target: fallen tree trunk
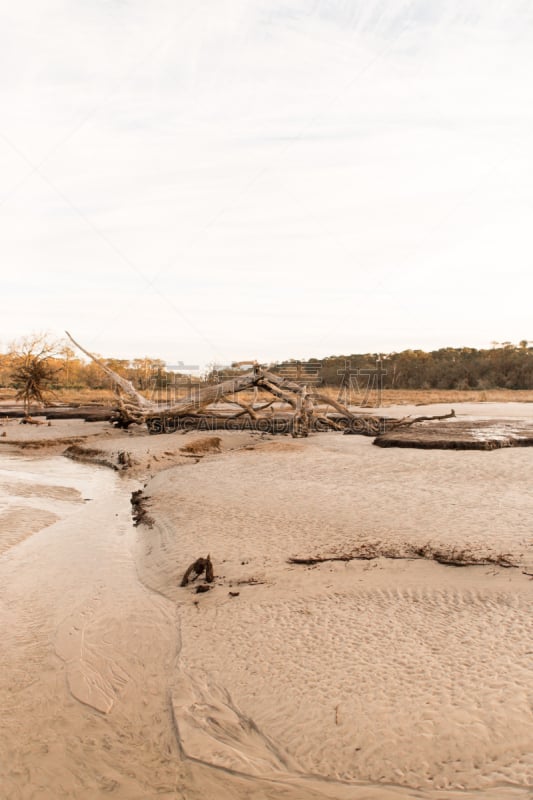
{"points": [[125, 385], [92, 413], [88, 413], [17, 412], [192, 412]]}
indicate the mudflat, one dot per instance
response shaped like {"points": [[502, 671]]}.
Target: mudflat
{"points": [[385, 676]]}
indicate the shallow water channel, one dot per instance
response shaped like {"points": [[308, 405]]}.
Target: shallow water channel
{"points": [[86, 648]]}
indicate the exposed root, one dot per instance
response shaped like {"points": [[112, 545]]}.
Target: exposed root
{"points": [[198, 568]]}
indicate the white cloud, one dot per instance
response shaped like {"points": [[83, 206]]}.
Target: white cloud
{"points": [[267, 178]]}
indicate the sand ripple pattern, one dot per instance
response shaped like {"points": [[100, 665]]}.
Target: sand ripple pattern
{"points": [[400, 674], [22, 489], [19, 522], [418, 688], [264, 506], [85, 641], [213, 730]]}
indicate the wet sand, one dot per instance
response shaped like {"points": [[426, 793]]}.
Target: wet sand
{"points": [[87, 651], [360, 679]]}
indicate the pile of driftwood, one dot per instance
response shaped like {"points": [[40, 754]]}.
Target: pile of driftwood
{"points": [[289, 408], [279, 405]]}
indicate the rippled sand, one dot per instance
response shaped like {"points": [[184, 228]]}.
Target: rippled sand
{"points": [[406, 673], [381, 679]]}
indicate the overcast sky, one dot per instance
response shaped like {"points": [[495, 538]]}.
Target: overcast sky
{"points": [[206, 180]]}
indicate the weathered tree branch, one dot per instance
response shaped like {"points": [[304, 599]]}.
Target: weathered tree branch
{"points": [[453, 557]]}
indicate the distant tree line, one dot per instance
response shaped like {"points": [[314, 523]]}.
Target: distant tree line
{"points": [[504, 365]]}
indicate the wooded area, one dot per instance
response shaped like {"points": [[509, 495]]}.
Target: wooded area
{"points": [[505, 365]]}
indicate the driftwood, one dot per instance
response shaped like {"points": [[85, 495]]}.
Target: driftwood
{"points": [[17, 412], [201, 407], [295, 410], [375, 426], [403, 423], [464, 558], [90, 413], [126, 386], [139, 509], [198, 568], [452, 557]]}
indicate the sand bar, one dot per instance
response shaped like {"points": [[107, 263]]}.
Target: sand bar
{"points": [[388, 678]]}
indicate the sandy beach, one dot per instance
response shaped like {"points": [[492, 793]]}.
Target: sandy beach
{"points": [[390, 677]]}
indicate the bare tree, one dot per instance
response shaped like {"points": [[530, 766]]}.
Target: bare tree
{"points": [[33, 369]]}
